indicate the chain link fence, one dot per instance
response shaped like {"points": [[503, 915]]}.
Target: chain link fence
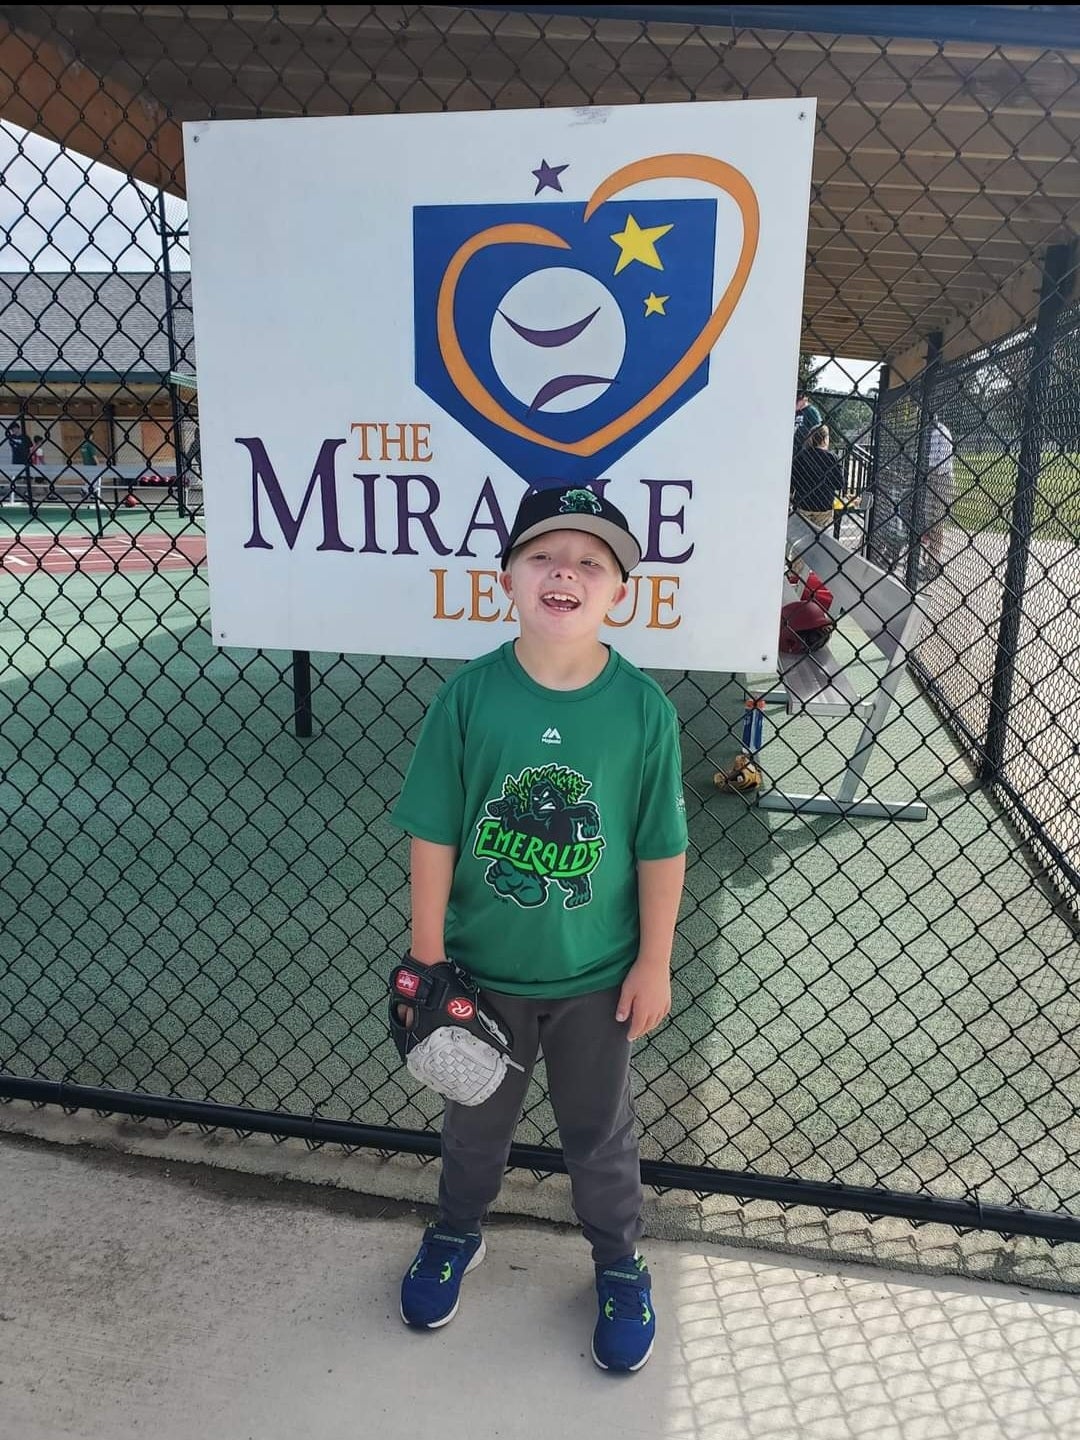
{"points": [[1012, 698], [201, 886]]}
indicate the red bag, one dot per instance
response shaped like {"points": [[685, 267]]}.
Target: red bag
{"points": [[805, 624], [815, 589]]}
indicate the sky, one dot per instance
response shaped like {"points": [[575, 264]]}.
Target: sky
{"points": [[59, 210], [841, 376]]}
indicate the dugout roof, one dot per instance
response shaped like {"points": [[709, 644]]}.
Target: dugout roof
{"points": [[944, 166]]}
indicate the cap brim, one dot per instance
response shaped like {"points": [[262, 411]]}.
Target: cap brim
{"points": [[626, 549]]}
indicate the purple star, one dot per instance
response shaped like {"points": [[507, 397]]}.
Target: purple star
{"points": [[547, 177]]}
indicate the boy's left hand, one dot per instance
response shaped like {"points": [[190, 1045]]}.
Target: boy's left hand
{"points": [[645, 997]]}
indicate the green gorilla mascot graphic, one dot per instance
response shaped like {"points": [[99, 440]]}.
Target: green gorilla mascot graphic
{"points": [[540, 831]]}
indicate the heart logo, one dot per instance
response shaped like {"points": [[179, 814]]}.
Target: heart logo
{"points": [[475, 392]]}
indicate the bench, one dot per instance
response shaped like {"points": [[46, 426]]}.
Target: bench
{"points": [[66, 486], [67, 494], [817, 684], [888, 614], [56, 482]]}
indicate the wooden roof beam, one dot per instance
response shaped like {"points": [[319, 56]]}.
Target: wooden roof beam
{"points": [[53, 94]]}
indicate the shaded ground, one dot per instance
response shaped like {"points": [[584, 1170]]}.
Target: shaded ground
{"points": [[1042, 746], [196, 902]]}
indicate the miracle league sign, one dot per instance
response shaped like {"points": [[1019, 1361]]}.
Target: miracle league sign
{"points": [[406, 322]]}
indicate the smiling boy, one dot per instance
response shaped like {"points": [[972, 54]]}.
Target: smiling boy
{"points": [[548, 836]]}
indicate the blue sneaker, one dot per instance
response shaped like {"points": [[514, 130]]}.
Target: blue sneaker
{"points": [[626, 1326], [431, 1288]]}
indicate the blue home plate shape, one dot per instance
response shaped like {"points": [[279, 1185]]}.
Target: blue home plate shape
{"points": [[565, 339]]}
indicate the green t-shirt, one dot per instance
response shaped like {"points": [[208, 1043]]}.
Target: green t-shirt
{"points": [[550, 797]]}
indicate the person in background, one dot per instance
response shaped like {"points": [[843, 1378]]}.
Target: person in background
{"points": [[19, 441], [940, 494], [807, 418], [37, 457], [92, 482], [817, 479]]}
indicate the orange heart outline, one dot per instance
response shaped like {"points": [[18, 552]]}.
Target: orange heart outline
{"points": [[654, 167]]}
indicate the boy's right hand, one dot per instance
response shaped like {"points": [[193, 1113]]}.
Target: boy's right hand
{"points": [[405, 1013], [450, 1038]]}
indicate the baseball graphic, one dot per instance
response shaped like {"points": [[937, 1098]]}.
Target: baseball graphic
{"points": [[557, 340]]}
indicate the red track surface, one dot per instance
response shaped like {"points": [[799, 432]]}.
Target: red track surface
{"points": [[83, 554]]}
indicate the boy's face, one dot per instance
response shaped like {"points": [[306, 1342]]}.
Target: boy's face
{"points": [[563, 584]]}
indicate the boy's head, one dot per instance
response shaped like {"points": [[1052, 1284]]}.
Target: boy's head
{"points": [[566, 562], [574, 508]]}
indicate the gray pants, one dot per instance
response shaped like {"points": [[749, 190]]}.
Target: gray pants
{"points": [[588, 1066]]}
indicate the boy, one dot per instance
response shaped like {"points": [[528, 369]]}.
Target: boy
{"points": [[556, 738]]}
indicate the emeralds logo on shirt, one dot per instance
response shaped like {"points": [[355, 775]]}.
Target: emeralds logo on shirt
{"points": [[541, 830]]}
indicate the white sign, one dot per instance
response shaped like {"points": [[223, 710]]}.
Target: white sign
{"points": [[405, 321]]}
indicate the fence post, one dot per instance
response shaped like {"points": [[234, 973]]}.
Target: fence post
{"points": [[301, 682], [917, 511], [179, 465], [872, 501], [1058, 274]]}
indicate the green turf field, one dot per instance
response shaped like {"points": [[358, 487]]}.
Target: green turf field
{"points": [[82, 519], [986, 487], [196, 902]]}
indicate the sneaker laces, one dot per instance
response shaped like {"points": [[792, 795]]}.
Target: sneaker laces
{"points": [[622, 1296]]}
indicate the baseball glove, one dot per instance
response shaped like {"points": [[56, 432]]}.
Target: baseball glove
{"points": [[744, 775], [448, 1038]]}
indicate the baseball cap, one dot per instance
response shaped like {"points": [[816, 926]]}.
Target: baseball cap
{"points": [[574, 508]]}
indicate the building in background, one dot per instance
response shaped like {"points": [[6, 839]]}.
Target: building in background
{"points": [[85, 357]]}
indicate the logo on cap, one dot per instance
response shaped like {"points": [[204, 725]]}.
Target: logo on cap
{"points": [[579, 502]]}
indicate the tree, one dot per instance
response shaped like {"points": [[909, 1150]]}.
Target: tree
{"points": [[810, 367], [849, 417]]}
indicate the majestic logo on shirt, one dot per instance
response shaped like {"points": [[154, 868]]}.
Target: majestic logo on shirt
{"points": [[541, 830], [551, 736]]}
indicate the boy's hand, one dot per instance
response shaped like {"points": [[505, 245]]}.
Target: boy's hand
{"points": [[645, 997]]}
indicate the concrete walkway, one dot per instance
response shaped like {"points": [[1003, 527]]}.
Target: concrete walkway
{"points": [[144, 1297]]}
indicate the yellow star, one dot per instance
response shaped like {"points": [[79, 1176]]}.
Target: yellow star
{"points": [[654, 304], [637, 244]]}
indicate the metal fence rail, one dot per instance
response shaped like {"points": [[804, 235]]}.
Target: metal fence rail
{"points": [[201, 885]]}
